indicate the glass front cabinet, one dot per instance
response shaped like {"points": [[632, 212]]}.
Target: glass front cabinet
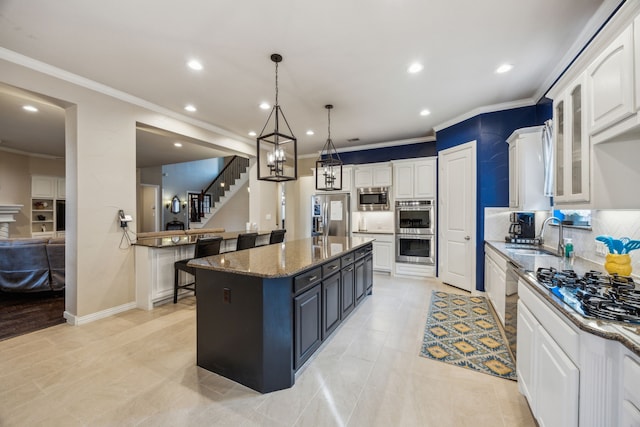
{"points": [[571, 145]]}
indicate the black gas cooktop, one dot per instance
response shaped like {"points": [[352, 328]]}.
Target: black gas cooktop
{"points": [[595, 295]]}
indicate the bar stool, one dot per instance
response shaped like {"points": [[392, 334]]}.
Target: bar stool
{"points": [[246, 241], [204, 247], [277, 236]]}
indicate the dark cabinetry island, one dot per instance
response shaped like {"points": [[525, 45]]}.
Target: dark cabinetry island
{"points": [[262, 312]]}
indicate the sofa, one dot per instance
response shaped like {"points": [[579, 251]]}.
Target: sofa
{"points": [[32, 265]]}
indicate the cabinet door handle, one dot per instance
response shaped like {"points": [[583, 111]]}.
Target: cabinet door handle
{"points": [[467, 238], [312, 278], [350, 269]]}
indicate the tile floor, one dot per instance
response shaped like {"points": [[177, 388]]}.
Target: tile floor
{"points": [[138, 368]]}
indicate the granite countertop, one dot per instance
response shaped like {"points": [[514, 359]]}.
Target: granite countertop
{"points": [[373, 232], [627, 334], [281, 260], [180, 240]]}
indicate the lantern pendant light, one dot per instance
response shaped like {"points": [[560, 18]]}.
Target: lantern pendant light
{"points": [[329, 165], [277, 152]]}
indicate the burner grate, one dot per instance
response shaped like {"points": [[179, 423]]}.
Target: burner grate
{"points": [[600, 296]]}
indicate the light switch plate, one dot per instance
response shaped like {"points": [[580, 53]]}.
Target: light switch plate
{"points": [[601, 249]]}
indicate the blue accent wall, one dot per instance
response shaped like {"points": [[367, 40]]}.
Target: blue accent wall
{"points": [[409, 151], [491, 131]]}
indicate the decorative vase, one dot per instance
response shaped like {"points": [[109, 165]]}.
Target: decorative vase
{"points": [[618, 264]]}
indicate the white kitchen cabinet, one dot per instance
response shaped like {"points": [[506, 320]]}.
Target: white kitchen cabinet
{"points": [[526, 170], [557, 384], [610, 83], [383, 253], [43, 187], [373, 175], [61, 192], [347, 179], [547, 348], [495, 281], [571, 145], [526, 344], [630, 393], [415, 179]]}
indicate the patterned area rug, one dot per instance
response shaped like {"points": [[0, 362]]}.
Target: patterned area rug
{"points": [[461, 330]]}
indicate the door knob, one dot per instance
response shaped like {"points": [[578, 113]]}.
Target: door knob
{"points": [[467, 238]]}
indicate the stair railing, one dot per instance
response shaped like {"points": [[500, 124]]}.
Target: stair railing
{"points": [[220, 184]]}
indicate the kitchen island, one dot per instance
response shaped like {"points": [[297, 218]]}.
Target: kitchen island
{"points": [[262, 312]]}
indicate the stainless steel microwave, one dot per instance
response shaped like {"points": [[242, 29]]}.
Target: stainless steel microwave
{"points": [[373, 199]]}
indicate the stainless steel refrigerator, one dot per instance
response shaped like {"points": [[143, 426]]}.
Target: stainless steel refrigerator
{"points": [[330, 215]]}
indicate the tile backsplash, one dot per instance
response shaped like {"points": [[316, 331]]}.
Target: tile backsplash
{"points": [[615, 223]]}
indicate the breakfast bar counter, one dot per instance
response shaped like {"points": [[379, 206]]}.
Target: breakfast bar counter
{"points": [[262, 312], [155, 258]]}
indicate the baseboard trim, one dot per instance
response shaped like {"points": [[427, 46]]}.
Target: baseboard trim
{"points": [[74, 320]]}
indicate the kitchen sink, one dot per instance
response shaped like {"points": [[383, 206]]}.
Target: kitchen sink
{"points": [[528, 250]]}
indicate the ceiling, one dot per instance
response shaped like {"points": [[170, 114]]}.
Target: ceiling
{"points": [[353, 55]]}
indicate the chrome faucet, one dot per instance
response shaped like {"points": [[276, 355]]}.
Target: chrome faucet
{"points": [[560, 233]]}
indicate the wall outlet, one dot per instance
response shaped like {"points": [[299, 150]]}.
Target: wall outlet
{"points": [[601, 249]]}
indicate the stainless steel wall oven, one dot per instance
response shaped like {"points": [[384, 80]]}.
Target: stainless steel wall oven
{"points": [[415, 232], [415, 217], [415, 248]]}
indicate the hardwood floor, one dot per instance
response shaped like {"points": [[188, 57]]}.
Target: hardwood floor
{"points": [[138, 369], [21, 313]]}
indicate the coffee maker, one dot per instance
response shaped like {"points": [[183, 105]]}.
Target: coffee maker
{"points": [[522, 228]]}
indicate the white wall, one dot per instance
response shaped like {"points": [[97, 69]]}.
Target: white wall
{"points": [[264, 200], [101, 179], [234, 214]]}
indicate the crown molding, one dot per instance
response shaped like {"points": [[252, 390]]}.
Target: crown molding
{"points": [[486, 109]]}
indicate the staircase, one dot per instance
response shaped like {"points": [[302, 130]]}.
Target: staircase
{"points": [[205, 205]]}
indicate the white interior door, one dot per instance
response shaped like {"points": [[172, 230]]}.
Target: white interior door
{"points": [[457, 200], [150, 214]]}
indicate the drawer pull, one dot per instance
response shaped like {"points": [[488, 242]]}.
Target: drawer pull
{"points": [[350, 269], [312, 278], [333, 267]]}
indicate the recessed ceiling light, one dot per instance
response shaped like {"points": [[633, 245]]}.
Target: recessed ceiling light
{"points": [[416, 67], [265, 106], [190, 108], [504, 68], [194, 65], [177, 144], [310, 132], [30, 108], [425, 112], [252, 133]]}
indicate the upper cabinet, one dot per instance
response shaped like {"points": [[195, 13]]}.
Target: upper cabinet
{"points": [[610, 83], [526, 170], [596, 110], [373, 175], [414, 179], [571, 145], [61, 192], [43, 187]]}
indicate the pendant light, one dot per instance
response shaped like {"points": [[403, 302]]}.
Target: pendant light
{"points": [[329, 165], [277, 152]]}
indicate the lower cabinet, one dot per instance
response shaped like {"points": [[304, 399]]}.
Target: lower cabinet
{"points": [[368, 273], [308, 324], [348, 290], [359, 281], [330, 304], [547, 377], [324, 296], [557, 384]]}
